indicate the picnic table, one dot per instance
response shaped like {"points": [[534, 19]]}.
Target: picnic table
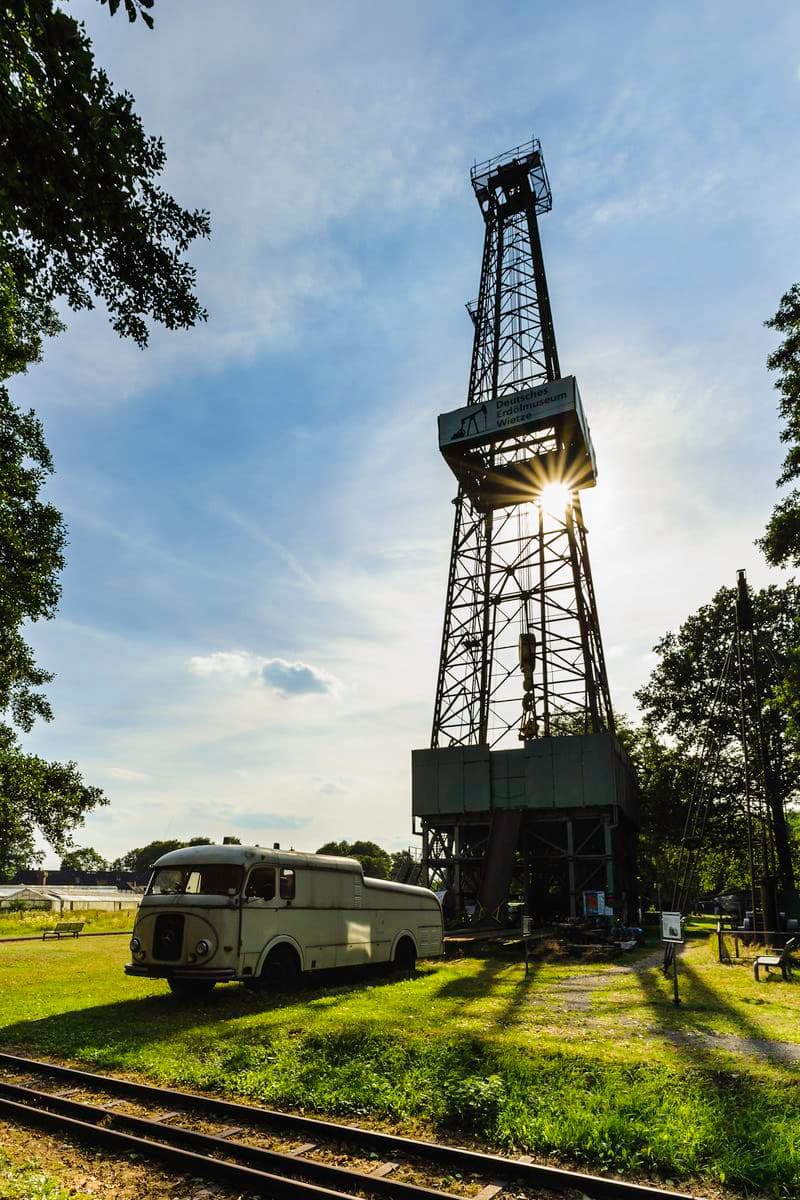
{"points": [[63, 929]]}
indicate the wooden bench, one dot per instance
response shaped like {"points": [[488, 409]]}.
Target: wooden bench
{"points": [[63, 929], [782, 961]]}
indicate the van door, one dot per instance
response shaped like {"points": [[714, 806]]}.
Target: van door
{"points": [[258, 916]]}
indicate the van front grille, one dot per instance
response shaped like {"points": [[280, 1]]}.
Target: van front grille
{"points": [[168, 937]]}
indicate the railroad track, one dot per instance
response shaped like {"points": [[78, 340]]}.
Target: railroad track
{"points": [[276, 1154]]}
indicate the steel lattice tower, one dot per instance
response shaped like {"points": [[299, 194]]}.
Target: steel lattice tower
{"points": [[521, 655], [517, 570]]}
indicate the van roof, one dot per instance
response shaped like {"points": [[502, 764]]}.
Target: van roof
{"points": [[247, 856]]}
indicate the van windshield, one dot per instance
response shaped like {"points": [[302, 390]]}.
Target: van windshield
{"points": [[212, 879]]}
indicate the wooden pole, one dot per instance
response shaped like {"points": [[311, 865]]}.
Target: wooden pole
{"points": [[675, 997]]}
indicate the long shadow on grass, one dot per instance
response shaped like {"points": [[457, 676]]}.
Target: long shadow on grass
{"points": [[471, 986], [465, 991], [746, 1123], [110, 1032]]}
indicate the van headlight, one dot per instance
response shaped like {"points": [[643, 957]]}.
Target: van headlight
{"points": [[202, 948], [135, 944]]}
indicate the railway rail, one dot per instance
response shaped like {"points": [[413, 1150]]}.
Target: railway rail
{"points": [[283, 1155]]}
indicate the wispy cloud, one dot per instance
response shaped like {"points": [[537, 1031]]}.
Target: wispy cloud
{"points": [[234, 818], [126, 775], [330, 787], [239, 663]]}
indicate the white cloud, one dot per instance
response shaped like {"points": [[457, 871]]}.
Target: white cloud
{"points": [[126, 774], [296, 678], [277, 674], [239, 663]]}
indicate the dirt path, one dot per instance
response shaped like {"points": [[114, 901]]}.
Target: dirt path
{"points": [[575, 994]]}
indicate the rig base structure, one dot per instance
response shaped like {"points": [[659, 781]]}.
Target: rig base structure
{"points": [[548, 825]]}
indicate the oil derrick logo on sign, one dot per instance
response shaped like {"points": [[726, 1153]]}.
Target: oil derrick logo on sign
{"points": [[470, 425]]}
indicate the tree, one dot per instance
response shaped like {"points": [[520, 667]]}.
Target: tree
{"points": [[35, 794], [402, 861], [81, 217], [83, 859], [32, 538], [377, 863], [781, 542], [666, 776], [81, 213], [141, 859], [676, 702]]}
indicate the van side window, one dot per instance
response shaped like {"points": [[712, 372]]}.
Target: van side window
{"points": [[287, 884], [261, 883]]}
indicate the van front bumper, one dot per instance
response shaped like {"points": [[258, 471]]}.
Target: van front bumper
{"points": [[218, 974]]}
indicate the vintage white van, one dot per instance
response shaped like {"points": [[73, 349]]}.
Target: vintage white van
{"points": [[216, 913]]}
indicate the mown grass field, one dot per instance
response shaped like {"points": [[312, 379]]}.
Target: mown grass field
{"points": [[26, 924], [467, 1048]]}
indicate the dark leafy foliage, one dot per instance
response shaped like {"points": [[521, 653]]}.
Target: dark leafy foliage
{"points": [[133, 8], [83, 858], [35, 794], [781, 542], [377, 863], [32, 538], [81, 213], [676, 703]]}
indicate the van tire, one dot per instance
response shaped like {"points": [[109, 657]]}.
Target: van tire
{"points": [[405, 956], [191, 989], [281, 971]]}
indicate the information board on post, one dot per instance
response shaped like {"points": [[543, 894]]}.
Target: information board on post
{"points": [[671, 927]]}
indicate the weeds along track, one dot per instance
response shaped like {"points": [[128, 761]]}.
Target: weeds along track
{"points": [[273, 1153]]}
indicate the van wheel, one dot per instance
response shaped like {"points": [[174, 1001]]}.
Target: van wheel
{"points": [[191, 989], [405, 956], [281, 972]]}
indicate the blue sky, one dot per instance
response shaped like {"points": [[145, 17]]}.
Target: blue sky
{"points": [[259, 519]]}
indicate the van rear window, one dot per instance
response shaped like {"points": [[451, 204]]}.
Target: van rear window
{"points": [[213, 879]]}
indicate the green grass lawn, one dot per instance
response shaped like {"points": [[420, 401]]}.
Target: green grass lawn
{"points": [[28, 1181], [26, 924], [466, 1048]]}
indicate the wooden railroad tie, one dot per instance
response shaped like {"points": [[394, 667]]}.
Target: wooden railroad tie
{"points": [[489, 1192], [229, 1131], [304, 1149], [384, 1168]]}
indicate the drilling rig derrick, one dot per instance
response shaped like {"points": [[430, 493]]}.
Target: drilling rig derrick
{"points": [[524, 790]]}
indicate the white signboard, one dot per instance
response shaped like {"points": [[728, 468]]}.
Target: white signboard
{"points": [[671, 927], [511, 414]]}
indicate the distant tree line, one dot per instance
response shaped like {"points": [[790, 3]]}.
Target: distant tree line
{"points": [[377, 862]]}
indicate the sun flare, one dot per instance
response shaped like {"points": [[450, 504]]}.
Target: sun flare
{"points": [[554, 498]]}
